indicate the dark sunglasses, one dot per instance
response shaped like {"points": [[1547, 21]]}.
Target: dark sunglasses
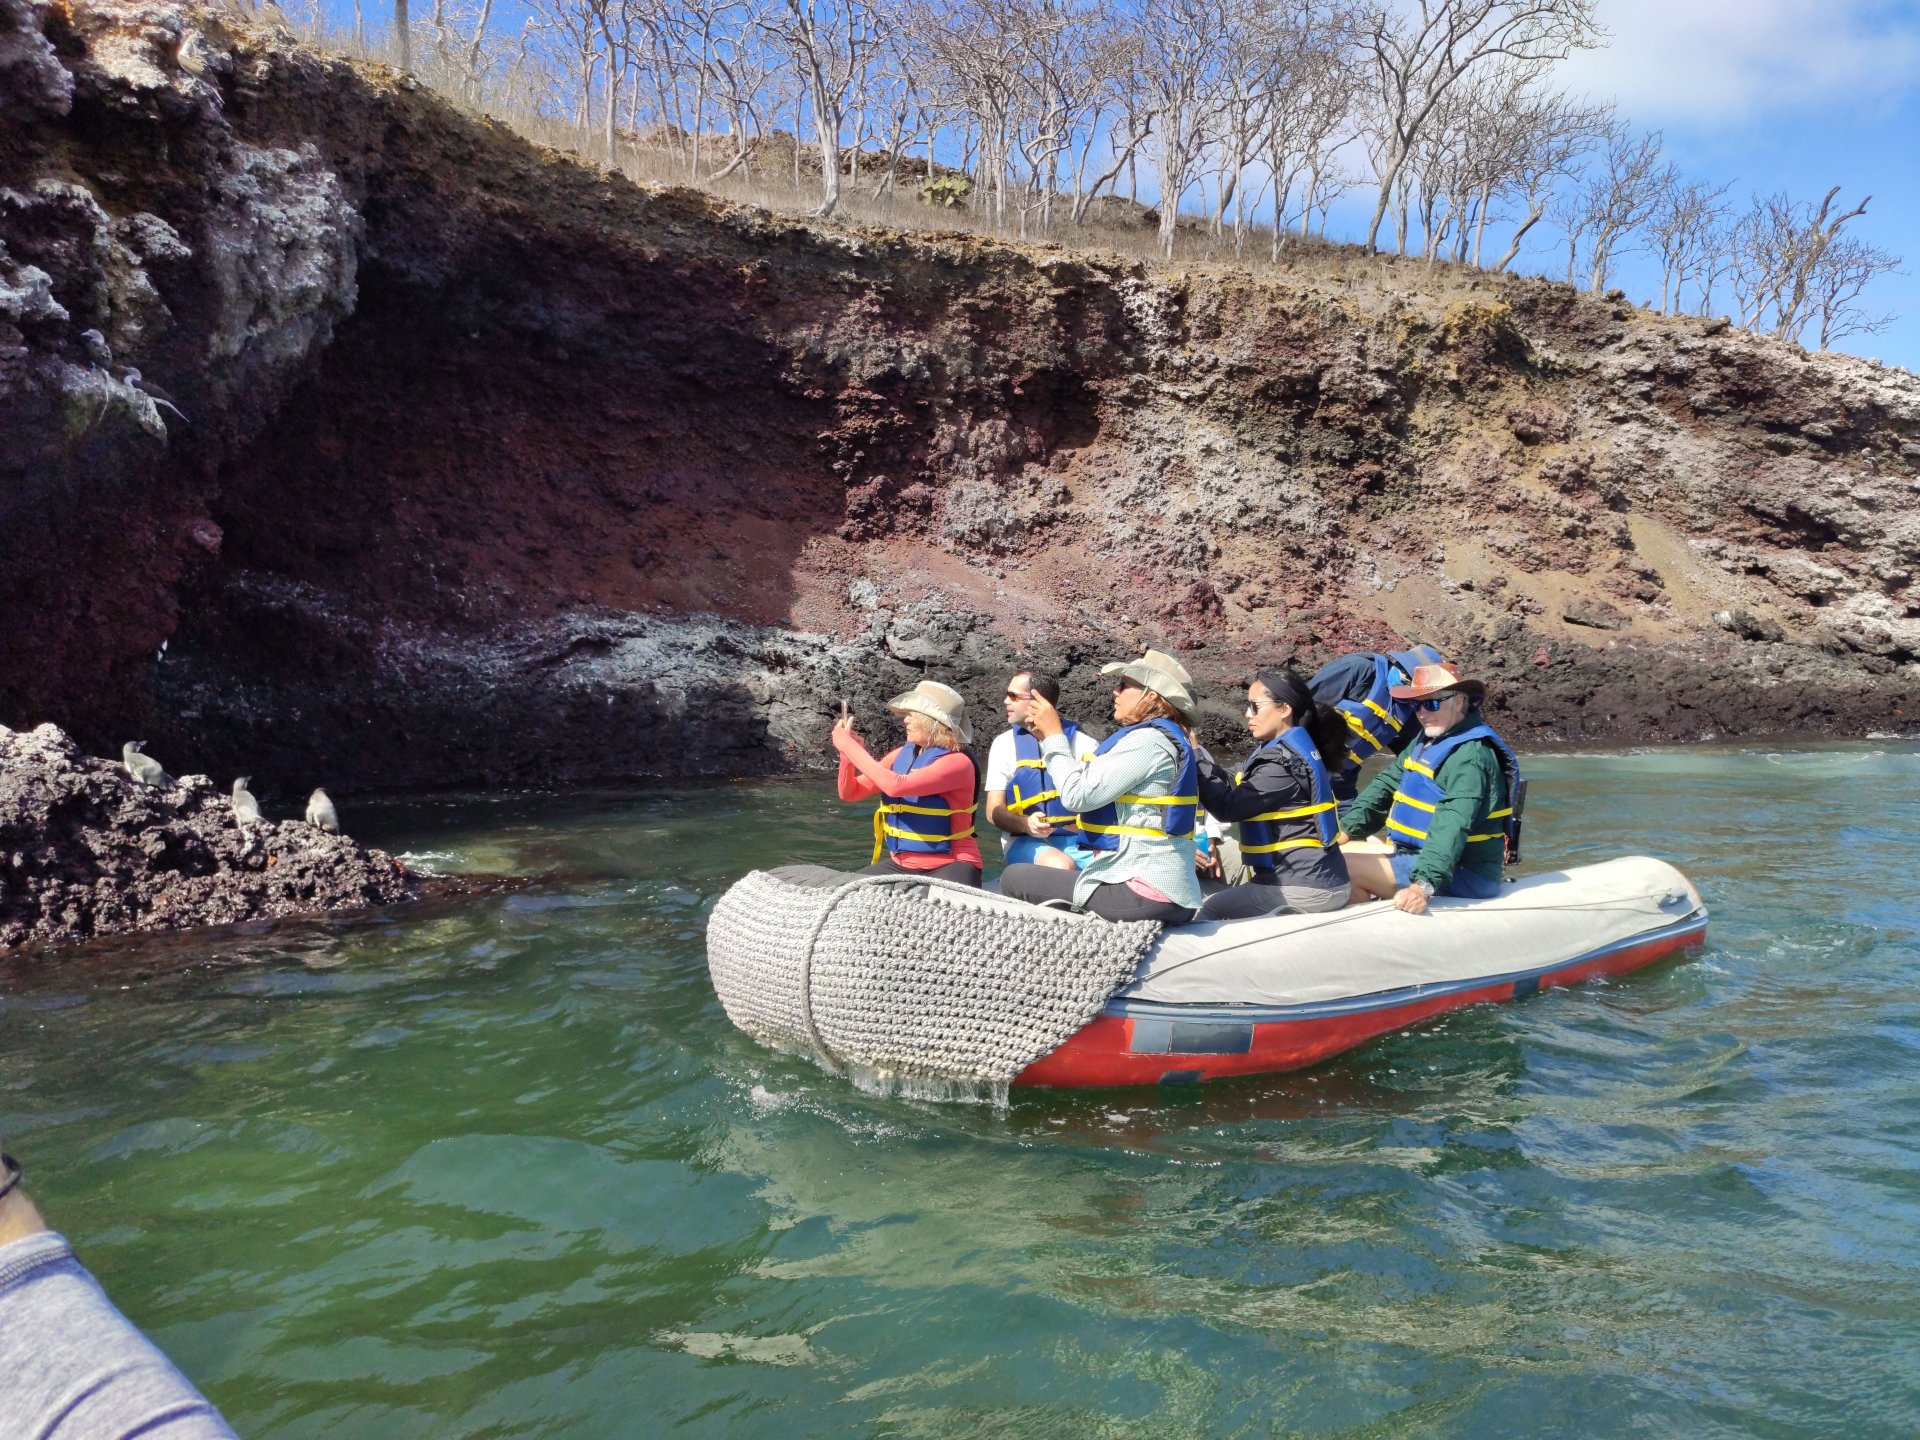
{"points": [[1255, 706], [1012, 696], [1433, 702]]}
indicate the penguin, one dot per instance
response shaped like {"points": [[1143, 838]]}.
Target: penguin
{"points": [[144, 768], [246, 809], [321, 814]]}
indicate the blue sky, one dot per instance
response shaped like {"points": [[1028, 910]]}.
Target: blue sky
{"points": [[1766, 95], [1772, 94]]}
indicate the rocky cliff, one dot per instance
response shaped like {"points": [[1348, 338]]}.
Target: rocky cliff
{"points": [[353, 439]]}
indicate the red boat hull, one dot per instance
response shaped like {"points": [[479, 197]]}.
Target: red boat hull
{"points": [[1135, 1042]]}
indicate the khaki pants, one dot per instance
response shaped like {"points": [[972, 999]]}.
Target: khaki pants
{"points": [[1233, 865]]}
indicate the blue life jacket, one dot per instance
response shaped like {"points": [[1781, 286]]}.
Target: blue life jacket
{"points": [[1029, 788], [1102, 828], [1420, 792], [1375, 722], [919, 824], [1309, 826]]}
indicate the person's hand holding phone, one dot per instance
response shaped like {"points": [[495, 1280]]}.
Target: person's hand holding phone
{"points": [[843, 728]]}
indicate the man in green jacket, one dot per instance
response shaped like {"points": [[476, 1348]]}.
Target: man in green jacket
{"points": [[1444, 805]]}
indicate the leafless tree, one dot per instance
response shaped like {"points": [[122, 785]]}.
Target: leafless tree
{"points": [[574, 32], [1553, 133], [1619, 195], [740, 71], [1251, 103], [1065, 87], [831, 44], [1509, 138], [1116, 100], [1789, 262], [1685, 231], [1310, 120], [1419, 50], [1183, 44], [975, 54], [1810, 238], [1847, 267], [1252, 69]]}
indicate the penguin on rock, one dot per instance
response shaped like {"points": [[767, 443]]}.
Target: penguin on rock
{"points": [[144, 768], [321, 814]]}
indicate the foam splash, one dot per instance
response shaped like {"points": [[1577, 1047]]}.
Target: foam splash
{"points": [[942, 1090]]}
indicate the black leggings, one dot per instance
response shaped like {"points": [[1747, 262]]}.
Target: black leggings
{"points": [[1036, 884], [957, 871]]}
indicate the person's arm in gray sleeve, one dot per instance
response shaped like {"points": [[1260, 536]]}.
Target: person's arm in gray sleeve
{"points": [[1138, 760], [72, 1367]]}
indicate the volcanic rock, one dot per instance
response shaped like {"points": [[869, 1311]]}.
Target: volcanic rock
{"points": [[501, 467], [87, 851]]}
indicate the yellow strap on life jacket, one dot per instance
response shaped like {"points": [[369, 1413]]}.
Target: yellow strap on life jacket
{"points": [[1029, 764], [881, 829], [1400, 799], [1417, 768], [1145, 831], [887, 808], [1406, 830], [1312, 842], [1299, 814], [1020, 807], [1386, 715]]}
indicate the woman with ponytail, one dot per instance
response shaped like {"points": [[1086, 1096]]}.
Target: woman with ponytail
{"points": [[1282, 799]]}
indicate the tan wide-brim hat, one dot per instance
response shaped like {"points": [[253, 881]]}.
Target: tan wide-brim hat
{"points": [[941, 704], [1432, 679], [1165, 676]]}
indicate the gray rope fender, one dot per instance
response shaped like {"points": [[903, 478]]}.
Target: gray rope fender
{"points": [[910, 976]]}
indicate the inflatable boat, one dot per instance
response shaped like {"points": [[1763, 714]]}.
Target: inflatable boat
{"points": [[892, 978]]}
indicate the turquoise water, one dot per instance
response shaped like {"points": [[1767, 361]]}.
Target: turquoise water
{"points": [[501, 1168]]}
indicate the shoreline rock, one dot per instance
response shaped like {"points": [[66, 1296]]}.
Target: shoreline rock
{"points": [[86, 851]]}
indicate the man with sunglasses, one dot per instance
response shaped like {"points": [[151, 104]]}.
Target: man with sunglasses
{"points": [[1445, 805], [1021, 802]]}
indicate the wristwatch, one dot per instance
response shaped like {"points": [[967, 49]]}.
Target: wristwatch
{"points": [[1425, 888]]}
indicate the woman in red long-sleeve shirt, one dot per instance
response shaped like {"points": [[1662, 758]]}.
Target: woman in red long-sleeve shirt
{"points": [[929, 787]]}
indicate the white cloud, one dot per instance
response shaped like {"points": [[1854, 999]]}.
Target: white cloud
{"points": [[1724, 62]]}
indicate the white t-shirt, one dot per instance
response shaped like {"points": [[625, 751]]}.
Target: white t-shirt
{"points": [[1000, 766]]}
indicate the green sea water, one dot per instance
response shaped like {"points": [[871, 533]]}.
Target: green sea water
{"points": [[500, 1167]]}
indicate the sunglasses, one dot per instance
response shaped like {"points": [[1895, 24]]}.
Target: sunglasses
{"points": [[1255, 706], [1433, 702], [1014, 695]]}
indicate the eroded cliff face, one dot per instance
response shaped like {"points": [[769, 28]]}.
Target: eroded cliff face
{"points": [[497, 468]]}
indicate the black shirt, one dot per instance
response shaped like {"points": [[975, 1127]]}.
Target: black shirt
{"points": [[1275, 779]]}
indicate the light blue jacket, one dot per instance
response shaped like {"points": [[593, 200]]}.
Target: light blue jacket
{"points": [[1142, 762]]}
